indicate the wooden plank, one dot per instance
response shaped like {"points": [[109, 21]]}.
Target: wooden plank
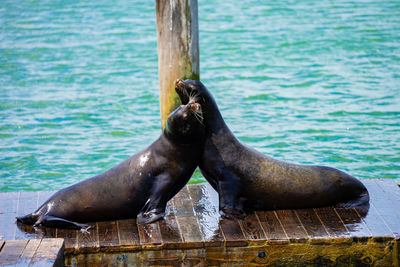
{"points": [[291, 224], [70, 237], [187, 222], [27, 204], [29, 251], [128, 233], [375, 223], [149, 234], [353, 222], [233, 233], [391, 190], [8, 212], [205, 204], [332, 223], [49, 253], [88, 240], [251, 228], [271, 225], [372, 218], [169, 228], [390, 186], [108, 234], [312, 223], [11, 251], [384, 206]]}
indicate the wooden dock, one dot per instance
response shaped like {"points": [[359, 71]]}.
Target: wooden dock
{"points": [[33, 252], [194, 234]]}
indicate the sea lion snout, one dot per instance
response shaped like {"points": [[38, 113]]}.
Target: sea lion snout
{"points": [[194, 106], [179, 82]]}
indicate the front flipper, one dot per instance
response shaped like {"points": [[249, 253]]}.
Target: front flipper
{"points": [[231, 205], [164, 188], [149, 215], [50, 221]]}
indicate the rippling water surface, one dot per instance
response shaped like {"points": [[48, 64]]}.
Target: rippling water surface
{"points": [[303, 81]]}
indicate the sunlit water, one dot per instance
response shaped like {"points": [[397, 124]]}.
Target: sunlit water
{"points": [[303, 81]]}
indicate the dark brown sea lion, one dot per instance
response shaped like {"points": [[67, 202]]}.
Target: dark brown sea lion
{"points": [[248, 180], [139, 186]]}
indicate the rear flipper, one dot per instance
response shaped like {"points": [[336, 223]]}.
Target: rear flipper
{"points": [[50, 221]]}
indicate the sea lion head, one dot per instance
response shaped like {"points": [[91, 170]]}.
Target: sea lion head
{"points": [[195, 90], [185, 124], [190, 89]]}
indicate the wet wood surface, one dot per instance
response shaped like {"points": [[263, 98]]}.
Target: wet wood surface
{"points": [[193, 221], [33, 252]]}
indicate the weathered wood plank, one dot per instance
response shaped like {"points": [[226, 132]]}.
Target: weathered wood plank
{"points": [[197, 206], [233, 233], [27, 203], [372, 218], [391, 190], [150, 234], [8, 212], [271, 225], [353, 222], [251, 228], [375, 222], [89, 240], [108, 234], [128, 232], [169, 228], [332, 223], [29, 251], [205, 203], [49, 253], [291, 224], [70, 237], [384, 206], [312, 223], [188, 224], [11, 251]]}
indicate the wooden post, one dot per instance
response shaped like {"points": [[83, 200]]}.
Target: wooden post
{"points": [[178, 49]]}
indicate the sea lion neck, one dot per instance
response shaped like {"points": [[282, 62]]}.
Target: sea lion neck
{"points": [[212, 116]]}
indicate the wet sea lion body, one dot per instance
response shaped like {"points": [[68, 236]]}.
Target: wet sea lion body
{"points": [[139, 186], [247, 180]]}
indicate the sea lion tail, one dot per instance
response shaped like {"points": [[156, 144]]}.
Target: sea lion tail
{"points": [[29, 219]]}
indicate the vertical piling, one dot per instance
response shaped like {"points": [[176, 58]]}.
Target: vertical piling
{"points": [[178, 49]]}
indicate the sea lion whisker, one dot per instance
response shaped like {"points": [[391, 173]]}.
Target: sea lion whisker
{"points": [[198, 114], [199, 118], [193, 96]]}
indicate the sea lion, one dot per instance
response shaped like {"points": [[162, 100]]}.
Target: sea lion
{"points": [[139, 186], [247, 180]]}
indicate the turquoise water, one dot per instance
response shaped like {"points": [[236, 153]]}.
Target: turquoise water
{"points": [[303, 81]]}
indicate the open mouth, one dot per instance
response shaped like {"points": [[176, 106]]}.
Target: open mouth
{"points": [[180, 89]]}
